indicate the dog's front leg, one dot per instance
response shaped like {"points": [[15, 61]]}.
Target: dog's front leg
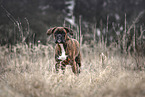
{"points": [[57, 66], [60, 65], [64, 63], [63, 66], [74, 67]]}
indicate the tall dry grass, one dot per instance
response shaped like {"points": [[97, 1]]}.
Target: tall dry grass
{"points": [[28, 71]]}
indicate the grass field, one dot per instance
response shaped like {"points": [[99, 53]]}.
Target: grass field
{"points": [[27, 71]]}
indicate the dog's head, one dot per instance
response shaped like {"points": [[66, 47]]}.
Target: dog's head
{"points": [[60, 33]]}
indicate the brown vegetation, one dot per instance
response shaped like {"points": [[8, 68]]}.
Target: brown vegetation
{"points": [[28, 71]]}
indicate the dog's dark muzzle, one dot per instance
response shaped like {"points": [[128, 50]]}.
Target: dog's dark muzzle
{"points": [[60, 38]]}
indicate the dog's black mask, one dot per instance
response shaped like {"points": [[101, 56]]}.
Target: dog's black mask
{"points": [[59, 37]]}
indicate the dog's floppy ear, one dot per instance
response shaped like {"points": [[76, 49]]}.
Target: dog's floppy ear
{"points": [[50, 31], [70, 31]]}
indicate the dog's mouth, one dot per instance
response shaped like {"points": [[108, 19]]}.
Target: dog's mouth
{"points": [[59, 40]]}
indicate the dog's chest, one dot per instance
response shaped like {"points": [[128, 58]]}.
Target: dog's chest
{"points": [[63, 56]]}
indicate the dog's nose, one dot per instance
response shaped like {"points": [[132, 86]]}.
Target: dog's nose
{"points": [[59, 35]]}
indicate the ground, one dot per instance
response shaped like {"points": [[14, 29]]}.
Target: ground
{"points": [[28, 71]]}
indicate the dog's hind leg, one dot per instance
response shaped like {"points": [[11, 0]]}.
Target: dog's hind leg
{"points": [[78, 62], [74, 67], [78, 67], [57, 66]]}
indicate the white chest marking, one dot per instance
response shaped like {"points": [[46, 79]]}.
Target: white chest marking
{"points": [[63, 56]]}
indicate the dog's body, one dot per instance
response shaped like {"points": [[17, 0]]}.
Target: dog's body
{"points": [[67, 50]]}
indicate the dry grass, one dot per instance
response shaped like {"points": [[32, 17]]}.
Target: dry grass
{"points": [[29, 72]]}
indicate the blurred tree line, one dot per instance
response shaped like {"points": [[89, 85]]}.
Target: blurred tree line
{"points": [[28, 20]]}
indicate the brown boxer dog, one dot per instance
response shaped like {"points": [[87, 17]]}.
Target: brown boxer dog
{"points": [[67, 50]]}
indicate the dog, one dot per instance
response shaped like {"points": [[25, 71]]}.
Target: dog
{"points": [[67, 50]]}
